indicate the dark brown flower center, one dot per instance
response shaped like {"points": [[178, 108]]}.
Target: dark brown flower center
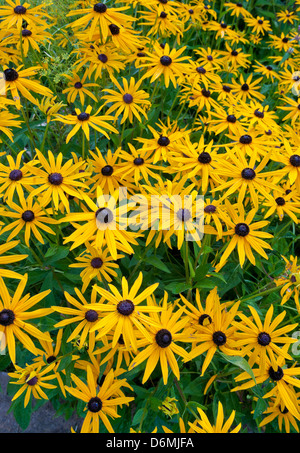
{"points": [[231, 119], [210, 209], [248, 173], [114, 29], [102, 57], [242, 229], [201, 70], [280, 201], [245, 139], [51, 359], [206, 93], [15, 175], [219, 338], [33, 381], [276, 375], [163, 338], [96, 263], [166, 60], [128, 98], [183, 214], [19, 9], [138, 161], [91, 315], [125, 307], [10, 75], [163, 141], [245, 87], [28, 216], [295, 160], [107, 170], [55, 178], [204, 318], [100, 8], [83, 116], [104, 215], [7, 317], [26, 33], [264, 339], [78, 85], [95, 404], [204, 158]]}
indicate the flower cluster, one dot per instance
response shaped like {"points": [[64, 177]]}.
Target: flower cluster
{"points": [[150, 188]]}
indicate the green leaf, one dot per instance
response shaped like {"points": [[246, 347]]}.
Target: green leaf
{"points": [[156, 262], [239, 362], [22, 414], [137, 417]]}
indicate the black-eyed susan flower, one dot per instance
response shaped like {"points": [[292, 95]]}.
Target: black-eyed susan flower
{"points": [[284, 380], [84, 120], [14, 13], [217, 335], [15, 177], [96, 264], [84, 314], [32, 37], [287, 16], [137, 165], [14, 314], [259, 25], [30, 216], [165, 62], [260, 339], [244, 178], [123, 312], [17, 82], [55, 179], [246, 235], [101, 401], [77, 86], [165, 331], [221, 426], [100, 16], [245, 88], [237, 9], [277, 410], [33, 379], [105, 223], [290, 281], [292, 107], [268, 71], [282, 204], [129, 101], [289, 156]]}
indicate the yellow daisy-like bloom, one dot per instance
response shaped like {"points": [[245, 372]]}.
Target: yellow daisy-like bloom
{"points": [[244, 177], [165, 62], [78, 87], [169, 407], [49, 107], [137, 165], [266, 70], [234, 58], [9, 259], [165, 331], [283, 204], [32, 37], [100, 16], [204, 426], [15, 177], [96, 263], [31, 216], [100, 400], [259, 25], [105, 222], [283, 415], [56, 179], [246, 88], [85, 315], [293, 107], [290, 157], [284, 381], [218, 335], [14, 314], [123, 312], [13, 14], [164, 23], [197, 162], [129, 101], [290, 281], [259, 340], [222, 29], [33, 380], [16, 80], [85, 120], [287, 16], [244, 235]]}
